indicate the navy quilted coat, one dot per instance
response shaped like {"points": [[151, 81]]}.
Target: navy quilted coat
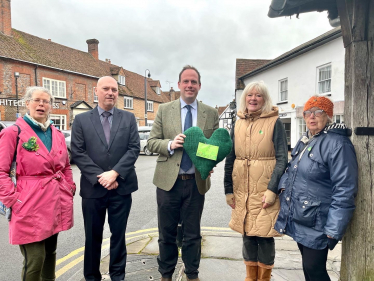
{"points": [[319, 188]]}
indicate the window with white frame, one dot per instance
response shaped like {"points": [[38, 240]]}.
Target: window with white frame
{"points": [[283, 90], [324, 79], [301, 126], [96, 98], [149, 105], [338, 118], [59, 121], [128, 102], [158, 91], [121, 80], [56, 87]]}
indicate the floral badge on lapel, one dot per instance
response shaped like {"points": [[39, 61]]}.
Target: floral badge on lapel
{"points": [[31, 144]]}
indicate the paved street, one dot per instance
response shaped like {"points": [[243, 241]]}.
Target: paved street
{"points": [[143, 216]]}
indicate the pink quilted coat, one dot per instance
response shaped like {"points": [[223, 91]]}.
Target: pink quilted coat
{"points": [[42, 204]]}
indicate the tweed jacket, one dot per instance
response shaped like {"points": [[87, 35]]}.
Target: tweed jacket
{"points": [[166, 126]]}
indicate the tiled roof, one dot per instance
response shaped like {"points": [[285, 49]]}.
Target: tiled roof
{"points": [[74, 105], [307, 46], [29, 48], [135, 87], [26, 47], [221, 109], [244, 66]]}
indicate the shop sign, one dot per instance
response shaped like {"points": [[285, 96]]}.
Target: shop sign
{"points": [[10, 102]]}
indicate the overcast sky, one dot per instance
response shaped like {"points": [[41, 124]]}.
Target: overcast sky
{"points": [[165, 35]]}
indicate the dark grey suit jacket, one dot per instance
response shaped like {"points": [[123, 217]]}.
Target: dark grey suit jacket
{"points": [[94, 156]]}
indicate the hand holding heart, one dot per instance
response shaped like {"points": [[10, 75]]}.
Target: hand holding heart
{"points": [[177, 142], [194, 136]]}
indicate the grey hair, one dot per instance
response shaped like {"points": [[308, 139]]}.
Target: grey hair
{"points": [[30, 91], [261, 88]]}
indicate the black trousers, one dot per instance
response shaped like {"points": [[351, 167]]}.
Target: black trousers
{"points": [[314, 263], [183, 202], [94, 211], [259, 249]]}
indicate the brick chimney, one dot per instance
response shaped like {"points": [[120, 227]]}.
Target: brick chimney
{"points": [[93, 47], [5, 18], [172, 94]]}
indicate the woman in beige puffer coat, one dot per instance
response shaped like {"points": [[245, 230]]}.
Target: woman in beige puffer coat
{"points": [[252, 173]]}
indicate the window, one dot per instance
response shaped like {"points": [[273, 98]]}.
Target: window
{"points": [[128, 102], [158, 91], [96, 98], [338, 118], [121, 80], [149, 105], [324, 79], [56, 87], [301, 126], [283, 90], [59, 121]]}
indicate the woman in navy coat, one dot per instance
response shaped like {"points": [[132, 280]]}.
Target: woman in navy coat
{"points": [[317, 191]]}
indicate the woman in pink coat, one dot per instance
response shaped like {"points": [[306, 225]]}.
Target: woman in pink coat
{"points": [[42, 201]]}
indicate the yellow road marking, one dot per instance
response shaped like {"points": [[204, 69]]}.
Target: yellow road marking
{"points": [[74, 262], [69, 266]]}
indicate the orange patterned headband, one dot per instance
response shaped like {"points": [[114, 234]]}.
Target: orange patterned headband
{"points": [[321, 102]]}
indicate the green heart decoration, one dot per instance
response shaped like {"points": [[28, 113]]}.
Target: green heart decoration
{"points": [[31, 144], [220, 138]]}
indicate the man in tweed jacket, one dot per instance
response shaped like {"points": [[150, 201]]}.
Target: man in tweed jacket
{"points": [[180, 193]]}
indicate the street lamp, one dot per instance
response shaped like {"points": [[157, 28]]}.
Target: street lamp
{"points": [[145, 95], [16, 75]]}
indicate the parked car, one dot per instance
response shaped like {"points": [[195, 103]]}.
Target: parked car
{"points": [[4, 124], [67, 134], [144, 136]]}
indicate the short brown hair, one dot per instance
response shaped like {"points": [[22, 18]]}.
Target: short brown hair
{"points": [[189, 67]]}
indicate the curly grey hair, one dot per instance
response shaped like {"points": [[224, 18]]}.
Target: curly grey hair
{"points": [[30, 91]]}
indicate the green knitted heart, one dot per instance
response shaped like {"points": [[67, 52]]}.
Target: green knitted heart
{"points": [[31, 144], [220, 138]]}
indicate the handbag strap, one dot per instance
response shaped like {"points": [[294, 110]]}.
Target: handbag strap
{"points": [[15, 153]]}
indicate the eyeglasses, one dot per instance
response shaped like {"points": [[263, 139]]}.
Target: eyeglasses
{"points": [[43, 101], [317, 113]]}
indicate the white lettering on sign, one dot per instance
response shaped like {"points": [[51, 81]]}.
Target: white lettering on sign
{"points": [[22, 103]]}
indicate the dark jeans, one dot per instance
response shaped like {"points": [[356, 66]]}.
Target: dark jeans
{"points": [[259, 249], [39, 260], [183, 202], [314, 263], [94, 211]]}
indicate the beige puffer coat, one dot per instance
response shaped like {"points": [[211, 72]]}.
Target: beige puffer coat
{"points": [[253, 166]]}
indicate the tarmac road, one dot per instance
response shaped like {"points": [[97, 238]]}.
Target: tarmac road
{"points": [[143, 216]]}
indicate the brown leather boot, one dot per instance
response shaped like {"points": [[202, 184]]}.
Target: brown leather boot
{"points": [[251, 268], [165, 279], [263, 274]]}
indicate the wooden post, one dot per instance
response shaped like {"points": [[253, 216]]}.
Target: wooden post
{"points": [[357, 21]]}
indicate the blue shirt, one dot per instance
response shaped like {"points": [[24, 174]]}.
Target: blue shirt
{"points": [[194, 122], [110, 118]]}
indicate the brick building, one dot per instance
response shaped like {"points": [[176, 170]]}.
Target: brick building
{"points": [[69, 74]]}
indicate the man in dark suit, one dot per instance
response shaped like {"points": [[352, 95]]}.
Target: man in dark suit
{"points": [[105, 145], [180, 188]]}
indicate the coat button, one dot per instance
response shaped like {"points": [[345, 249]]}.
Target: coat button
{"points": [[303, 207], [311, 155], [295, 166], [306, 202], [288, 198], [281, 230], [178, 164]]}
